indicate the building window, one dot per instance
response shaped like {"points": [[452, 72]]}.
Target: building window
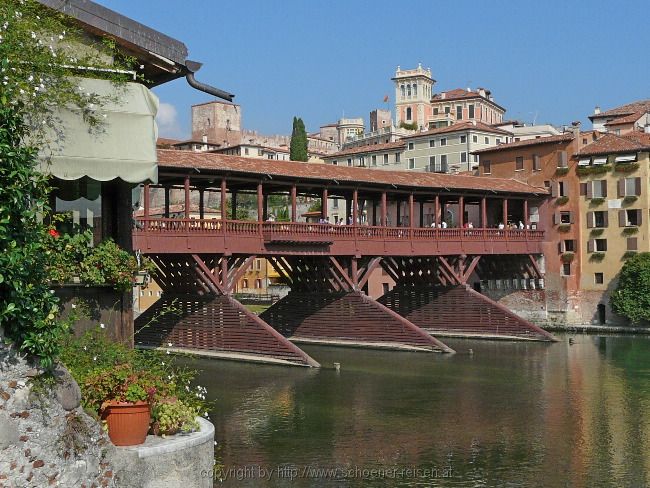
{"points": [[403, 91], [632, 244], [398, 158], [599, 219], [463, 139], [335, 203], [487, 140], [471, 111], [443, 163], [435, 111], [487, 169], [565, 218], [629, 218], [459, 112], [474, 138], [411, 146], [244, 283], [258, 283], [411, 163], [566, 269], [349, 162], [598, 189], [385, 287], [409, 112], [432, 163], [246, 151], [562, 187], [432, 143], [443, 141], [630, 187], [600, 245], [335, 163], [599, 279], [373, 160], [463, 157], [569, 245], [519, 163], [447, 110], [385, 159]]}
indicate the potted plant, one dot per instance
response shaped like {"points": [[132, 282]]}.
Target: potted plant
{"points": [[122, 397], [172, 416]]}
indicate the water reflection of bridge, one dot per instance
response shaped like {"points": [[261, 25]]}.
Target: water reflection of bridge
{"points": [[328, 266]]}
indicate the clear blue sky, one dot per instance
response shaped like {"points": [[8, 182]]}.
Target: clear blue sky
{"points": [[551, 59]]}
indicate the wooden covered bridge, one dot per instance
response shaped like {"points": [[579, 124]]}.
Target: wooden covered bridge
{"points": [[395, 227]]}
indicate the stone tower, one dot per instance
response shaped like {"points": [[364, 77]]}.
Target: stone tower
{"points": [[413, 90], [219, 121]]}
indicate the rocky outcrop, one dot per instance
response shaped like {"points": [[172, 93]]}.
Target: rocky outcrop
{"points": [[45, 437]]}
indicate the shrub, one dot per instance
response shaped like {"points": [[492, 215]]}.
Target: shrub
{"points": [[631, 299], [562, 171], [597, 232], [561, 200], [567, 257], [594, 202], [409, 125], [626, 167], [628, 231]]}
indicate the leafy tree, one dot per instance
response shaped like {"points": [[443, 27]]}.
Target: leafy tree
{"points": [[316, 206], [631, 299], [40, 56], [298, 146]]}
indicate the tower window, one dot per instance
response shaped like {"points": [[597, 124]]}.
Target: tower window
{"points": [[409, 112]]}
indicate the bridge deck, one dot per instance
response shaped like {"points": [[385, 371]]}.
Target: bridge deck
{"points": [[169, 235]]}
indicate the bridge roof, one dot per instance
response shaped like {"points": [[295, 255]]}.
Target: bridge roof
{"points": [[294, 170]]}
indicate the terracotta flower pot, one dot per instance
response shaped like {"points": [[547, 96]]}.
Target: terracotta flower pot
{"points": [[128, 423]]}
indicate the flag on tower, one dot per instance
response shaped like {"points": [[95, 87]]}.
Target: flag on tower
{"points": [[386, 99]]}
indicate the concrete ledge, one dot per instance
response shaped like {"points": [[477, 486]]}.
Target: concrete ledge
{"points": [[155, 445], [393, 346], [469, 335], [229, 356], [170, 462], [602, 329]]}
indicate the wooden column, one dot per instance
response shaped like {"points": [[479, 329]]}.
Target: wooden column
{"points": [[421, 213], [260, 202], [166, 202], [146, 197], [383, 209], [187, 197], [436, 215], [355, 207], [525, 214], [201, 209], [505, 211], [224, 210], [411, 208], [484, 213], [323, 204], [461, 211], [234, 204], [294, 206]]}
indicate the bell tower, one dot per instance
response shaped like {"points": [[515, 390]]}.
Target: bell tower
{"points": [[413, 90]]}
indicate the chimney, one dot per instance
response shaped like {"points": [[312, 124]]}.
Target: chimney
{"points": [[646, 129], [204, 138], [443, 95], [597, 110], [575, 128]]}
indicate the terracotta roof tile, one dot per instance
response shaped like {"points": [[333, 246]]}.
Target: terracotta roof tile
{"points": [[567, 136], [630, 108], [461, 94], [164, 141], [611, 144], [626, 119], [368, 148], [458, 127], [222, 163]]}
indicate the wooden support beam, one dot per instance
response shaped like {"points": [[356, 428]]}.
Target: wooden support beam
{"points": [[525, 214], [260, 203], [294, 205], [421, 213], [239, 271], [533, 263], [211, 280], [461, 211], [449, 270], [505, 212], [201, 203], [411, 214], [484, 224], [146, 198], [233, 202], [354, 271], [470, 269], [436, 215], [323, 204], [224, 271], [186, 188], [355, 207], [343, 274], [372, 265], [224, 211]]}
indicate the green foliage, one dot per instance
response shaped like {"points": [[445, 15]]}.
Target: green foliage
{"points": [[628, 231], [561, 171], [316, 206], [630, 199], [597, 232], [594, 202], [567, 257], [564, 227], [561, 200], [598, 169], [597, 256], [629, 254], [626, 167], [631, 299], [409, 125], [28, 309], [298, 145], [106, 371], [173, 416]]}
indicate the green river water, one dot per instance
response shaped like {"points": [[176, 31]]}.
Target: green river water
{"points": [[509, 414]]}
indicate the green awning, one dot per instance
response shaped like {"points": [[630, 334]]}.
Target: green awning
{"points": [[125, 146]]}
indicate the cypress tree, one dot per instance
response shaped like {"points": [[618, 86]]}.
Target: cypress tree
{"points": [[298, 146]]}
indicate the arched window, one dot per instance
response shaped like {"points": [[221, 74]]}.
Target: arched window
{"points": [[415, 90], [408, 90], [409, 114], [403, 91]]}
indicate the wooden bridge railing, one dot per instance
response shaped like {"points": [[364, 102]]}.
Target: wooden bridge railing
{"points": [[304, 231]]}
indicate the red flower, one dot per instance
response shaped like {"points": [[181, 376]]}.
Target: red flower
{"points": [[53, 233]]}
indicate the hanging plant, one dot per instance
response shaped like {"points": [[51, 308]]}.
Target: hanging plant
{"points": [[564, 227], [628, 231], [567, 257], [561, 171], [630, 199], [596, 201], [597, 232], [561, 200], [626, 167], [597, 256]]}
